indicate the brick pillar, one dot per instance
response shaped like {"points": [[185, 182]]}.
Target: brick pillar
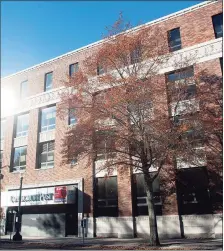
{"points": [[32, 140], [125, 223]]}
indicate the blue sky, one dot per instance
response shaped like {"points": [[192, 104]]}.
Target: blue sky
{"points": [[33, 32]]}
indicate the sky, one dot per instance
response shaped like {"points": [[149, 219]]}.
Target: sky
{"points": [[35, 31]]}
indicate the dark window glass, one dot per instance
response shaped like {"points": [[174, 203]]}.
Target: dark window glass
{"points": [[191, 91], [73, 68], [192, 189], [48, 118], [22, 125], [217, 21], [100, 70], [174, 39], [1, 157], [221, 63], [140, 191], [48, 81], [3, 122], [24, 89], [72, 120], [46, 157], [107, 198], [180, 74], [19, 161]]}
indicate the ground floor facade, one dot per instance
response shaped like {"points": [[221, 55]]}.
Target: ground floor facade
{"points": [[56, 210]]}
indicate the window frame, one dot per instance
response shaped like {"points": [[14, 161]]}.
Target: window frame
{"points": [[22, 95], [45, 81], [217, 34], [48, 127], [19, 167], [23, 132], [41, 153], [108, 208], [75, 68], [175, 47]]}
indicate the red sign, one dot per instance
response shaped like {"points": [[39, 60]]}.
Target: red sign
{"points": [[60, 193]]}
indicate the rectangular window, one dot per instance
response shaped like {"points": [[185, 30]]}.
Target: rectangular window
{"points": [[141, 199], [19, 161], [180, 74], [136, 55], [1, 157], [73, 68], [24, 89], [48, 116], [46, 157], [100, 70], [72, 120], [105, 144], [22, 125], [221, 64], [174, 39], [217, 21], [48, 81], [192, 189], [3, 122], [107, 197]]}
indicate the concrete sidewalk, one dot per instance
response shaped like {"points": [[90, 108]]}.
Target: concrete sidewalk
{"points": [[108, 243]]}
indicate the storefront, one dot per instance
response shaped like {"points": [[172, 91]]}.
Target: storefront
{"points": [[49, 211]]}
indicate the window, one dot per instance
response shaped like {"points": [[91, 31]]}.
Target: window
{"points": [[73, 68], [19, 161], [174, 39], [217, 21], [105, 144], [48, 81], [48, 118], [24, 89], [140, 195], [180, 74], [2, 129], [1, 157], [72, 120], [22, 125], [190, 91], [221, 64], [74, 161], [46, 157], [107, 198], [136, 55], [192, 189], [100, 70]]}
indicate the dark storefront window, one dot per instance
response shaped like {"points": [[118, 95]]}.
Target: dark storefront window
{"points": [[217, 21], [19, 161], [140, 195], [174, 39], [46, 157], [192, 189], [107, 198]]}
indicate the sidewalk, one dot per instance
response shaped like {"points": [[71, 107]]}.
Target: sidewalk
{"points": [[69, 243]]}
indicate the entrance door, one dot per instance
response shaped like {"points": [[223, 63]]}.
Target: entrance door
{"points": [[71, 224]]}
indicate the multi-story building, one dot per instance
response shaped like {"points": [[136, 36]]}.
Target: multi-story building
{"points": [[54, 197]]}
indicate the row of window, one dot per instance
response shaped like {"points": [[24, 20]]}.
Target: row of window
{"points": [[192, 193], [48, 117], [174, 42]]}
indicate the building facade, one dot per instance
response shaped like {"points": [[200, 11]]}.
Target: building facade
{"points": [[56, 197]]}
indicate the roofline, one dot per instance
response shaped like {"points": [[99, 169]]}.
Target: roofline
{"points": [[158, 20]]}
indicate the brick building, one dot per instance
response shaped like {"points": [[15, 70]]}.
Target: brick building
{"points": [[56, 197]]}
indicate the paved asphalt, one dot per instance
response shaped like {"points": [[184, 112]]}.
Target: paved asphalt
{"points": [[107, 244]]}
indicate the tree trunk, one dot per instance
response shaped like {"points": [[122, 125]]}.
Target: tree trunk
{"points": [[154, 238]]}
